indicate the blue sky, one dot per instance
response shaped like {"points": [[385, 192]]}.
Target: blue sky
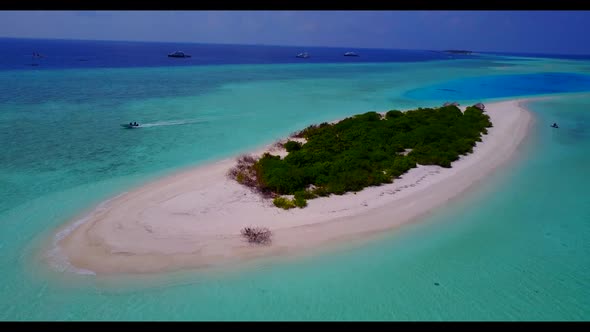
{"points": [[564, 32]]}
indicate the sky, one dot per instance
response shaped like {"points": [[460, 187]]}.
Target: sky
{"points": [[559, 32]]}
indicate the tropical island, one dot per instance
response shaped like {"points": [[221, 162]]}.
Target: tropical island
{"points": [[364, 150], [371, 173]]}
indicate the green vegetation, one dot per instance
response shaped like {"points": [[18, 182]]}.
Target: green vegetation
{"points": [[300, 202], [292, 146], [366, 150], [284, 203]]}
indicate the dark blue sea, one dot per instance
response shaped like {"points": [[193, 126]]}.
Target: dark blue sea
{"points": [[60, 54]]}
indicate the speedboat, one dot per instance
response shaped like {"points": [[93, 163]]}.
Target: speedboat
{"points": [[350, 54], [304, 55], [130, 125], [179, 54]]}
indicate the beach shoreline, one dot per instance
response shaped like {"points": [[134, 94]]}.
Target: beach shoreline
{"points": [[193, 219]]}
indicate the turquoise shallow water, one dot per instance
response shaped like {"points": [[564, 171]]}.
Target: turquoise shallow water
{"points": [[516, 248]]}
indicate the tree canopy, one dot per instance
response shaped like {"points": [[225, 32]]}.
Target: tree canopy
{"points": [[367, 150]]}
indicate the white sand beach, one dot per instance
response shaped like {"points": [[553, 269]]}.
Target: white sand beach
{"points": [[193, 219]]}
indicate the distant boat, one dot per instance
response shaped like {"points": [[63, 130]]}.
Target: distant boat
{"points": [[350, 54], [303, 55], [554, 125], [458, 51], [36, 56], [130, 125], [179, 54]]}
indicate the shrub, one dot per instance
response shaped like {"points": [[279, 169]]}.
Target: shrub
{"points": [[257, 235], [321, 192], [369, 116], [278, 144], [305, 194], [393, 114], [240, 177], [292, 146], [246, 159], [283, 203], [300, 202], [233, 172], [243, 172]]}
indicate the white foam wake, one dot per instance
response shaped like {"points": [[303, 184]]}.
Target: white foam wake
{"points": [[191, 121]]}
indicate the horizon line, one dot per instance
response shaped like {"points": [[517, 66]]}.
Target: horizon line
{"points": [[302, 46]]}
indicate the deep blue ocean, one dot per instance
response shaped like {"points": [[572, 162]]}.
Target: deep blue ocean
{"points": [[63, 54]]}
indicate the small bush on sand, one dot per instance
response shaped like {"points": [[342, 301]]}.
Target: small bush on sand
{"points": [[240, 177], [233, 172], [247, 159], [305, 194], [257, 235], [301, 197], [300, 202], [283, 203], [321, 192], [244, 172]]}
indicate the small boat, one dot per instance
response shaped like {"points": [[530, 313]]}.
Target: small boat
{"points": [[554, 125], [303, 55], [36, 56], [130, 125], [350, 54], [179, 54]]}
